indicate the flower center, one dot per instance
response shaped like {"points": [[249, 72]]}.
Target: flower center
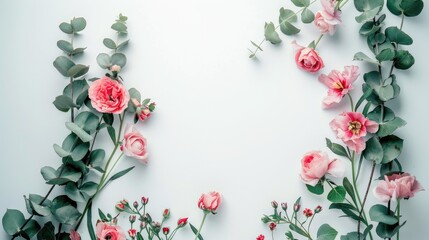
{"points": [[338, 85], [355, 127]]}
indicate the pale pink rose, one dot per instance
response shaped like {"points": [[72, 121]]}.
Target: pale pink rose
{"points": [[330, 13], [307, 59], [323, 26], [108, 96], [210, 201], [316, 164], [351, 127], [74, 235], [339, 84], [134, 144], [397, 186], [106, 231]]}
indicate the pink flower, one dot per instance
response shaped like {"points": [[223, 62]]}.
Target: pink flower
{"points": [[260, 237], [144, 114], [106, 231], [316, 164], [351, 127], [323, 26], [339, 84], [307, 212], [330, 13], [132, 233], [134, 144], [397, 186], [166, 230], [182, 222], [108, 96], [307, 58], [74, 235], [272, 226], [210, 201]]}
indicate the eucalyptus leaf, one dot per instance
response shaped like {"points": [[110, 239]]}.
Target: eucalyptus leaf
{"points": [[392, 147], [63, 64], [64, 103], [47, 232], [65, 46], [307, 16], [77, 70], [289, 29], [73, 192], [326, 232], [368, 14], [103, 60], [84, 136], [122, 44], [373, 151], [78, 24], [336, 148], [66, 28], [337, 194], [318, 189], [12, 221], [386, 55], [404, 60], [270, 33], [389, 127], [119, 27], [48, 173], [394, 34], [60, 151], [301, 3], [360, 56], [366, 5], [119, 59], [380, 213], [109, 43], [80, 151]]}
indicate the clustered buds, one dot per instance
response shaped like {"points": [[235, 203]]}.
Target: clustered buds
{"points": [[132, 218], [260, 237], [135, 204], [284, 206]]}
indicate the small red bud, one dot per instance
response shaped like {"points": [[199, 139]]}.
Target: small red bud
{"points": [[132, 218], [145, 200], [284, 206], [296, 207], [272, 226], [182, 222], [166, 213], [120, 207], [135, 204], [318, 209], [166, 230], [132, 232]]}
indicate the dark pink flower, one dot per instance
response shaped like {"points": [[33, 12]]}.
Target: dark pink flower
{"points": [[307, 58], [106, 231], [182, 222], [260, 237], [339, 84], [351, 127], [108, 96], [307, 212]]}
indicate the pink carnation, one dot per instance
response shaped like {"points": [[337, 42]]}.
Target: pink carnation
{"points": [[108, 96], [397, 186], [74, 235], [351, 127], [109, 232], [307, 58], [134, 144], [339, 84], [316, 164]]}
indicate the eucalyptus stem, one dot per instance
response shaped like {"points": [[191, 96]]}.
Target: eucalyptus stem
{"points": [[366, 194], [59, 231]]}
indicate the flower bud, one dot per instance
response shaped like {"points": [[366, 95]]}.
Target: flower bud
{"points": [[120, 207], [284, 206], [143, 225], [274, 204], [136, 102], [260, 237], [135, 204], [318, 209], [307, 212], [124, 201], [145, 200], [132, 218], [166, 230], [296, 207], [115, 68], [166, 213], [132, 232], [182, 222], [272, 226]]}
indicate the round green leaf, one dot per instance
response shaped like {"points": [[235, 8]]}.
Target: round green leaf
{"points": [[63, 64], [109, 43], [103, 60], [337, 194], [80, 151], [373, 151], [119, 59], [66, 28], [326, 232], [78, 24], [12, 221], [404, 60], [380, 213], [307, 16], [65, 46], [270, 34]]}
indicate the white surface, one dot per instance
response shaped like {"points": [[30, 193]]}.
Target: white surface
{"points": [[223, 122]]}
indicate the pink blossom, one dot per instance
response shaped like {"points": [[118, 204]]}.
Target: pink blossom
{"points": [[323, 26], [260, 237], [108, 96], [330, 13], [106, 231], [74, 235], [351, 127], [134, 144], [339, 84], [397, 186], [316, 164], [307, 58], [182, 222], [210, 201], [132, 233], [144, 114]]}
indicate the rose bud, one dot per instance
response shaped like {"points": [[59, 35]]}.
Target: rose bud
{"points": [[274, 204], [166, 213], [120, 207], [143, 114], [166, 230], [296, 207], [210, 201], [135, 204], [284, 206], [124, 201], [145, 200], [307, 212], [272, 226], [182, 222], [143, 225], [132, 232], [318, 209], [136, 102], [152, 106], [115, 68], [132, 218]]}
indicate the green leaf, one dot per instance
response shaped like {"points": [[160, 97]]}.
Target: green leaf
{"points": [[394, 34], [12, 221], [77, 70], [336, 148], [102, 215], [121, 173], [103, 60], [363, 97], [286, 18], [63, 64], [385, 93], [64, 210], [64, 103], [404, 60], [47, 232], [66, 28], [337, 194], [301, 3], [360, 56], [60, 151], [307, 16], [349, 189], [122, 44], [80, 151], [78, 24], [84, 136], [297, 229], [375, 114], [65, 46], [368, 28], [318, 189], [108, 118], [48, 173], [380, 213], [386, 55], [289, 29], [270, 33], [195, 231], [112, 133], [90, 224], [88, 121], [326, 232], [109, 43], [80, 91], [89, 188], [119, 27], [68, 174], [368, 14], [77, 51], [342, 206], [388, 128], [73, 192], [97, 157], [373, 151], [119, 59], [392, 147], [412, 8], [31, 228], [388, 231], [366, 5]]}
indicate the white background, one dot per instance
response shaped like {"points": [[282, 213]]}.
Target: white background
{"points": [[223, 122]]}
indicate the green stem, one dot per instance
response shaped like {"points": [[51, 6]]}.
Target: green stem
{"points": [[201, 225], [351, 101], [317, 41], [59, 231], [110, 171], [398, 215], [366, 194]]}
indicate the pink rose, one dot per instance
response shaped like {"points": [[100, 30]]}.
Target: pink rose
{"points": [[307, 59], [108, 96], [339, 84], [144, 114], [330, 12], [323, 26], [134, 144], [351, 127], [74, 235], [316, 164], [109, 232], [397, 186], [210, 201]]}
